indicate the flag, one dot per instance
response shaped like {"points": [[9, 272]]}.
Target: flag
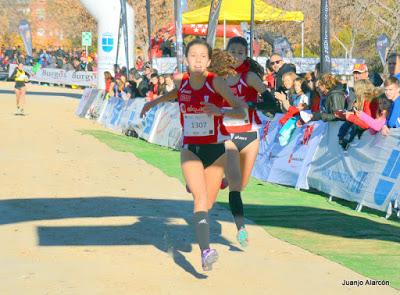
{"points": [[325, 38], [215, 7], [124, 24], [25, 31], [179, 38]]}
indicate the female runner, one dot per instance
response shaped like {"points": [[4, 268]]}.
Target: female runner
{"points": [[200, 96], [242, 149]]}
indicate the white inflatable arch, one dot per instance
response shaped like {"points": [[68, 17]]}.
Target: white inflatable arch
{"points": [[107, 15]]}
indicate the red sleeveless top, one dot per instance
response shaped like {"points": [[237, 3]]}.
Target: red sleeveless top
{"points": [[247, 93], [199, 127]]}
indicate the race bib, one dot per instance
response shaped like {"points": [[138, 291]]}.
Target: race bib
{"points": [[228, 121], [198, 125]]}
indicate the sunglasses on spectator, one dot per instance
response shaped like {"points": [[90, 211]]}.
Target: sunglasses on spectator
{"points": [[275, 62]]}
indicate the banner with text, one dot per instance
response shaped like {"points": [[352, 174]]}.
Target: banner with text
{"points": [[59, 76], [289, 164], [367, 173]]}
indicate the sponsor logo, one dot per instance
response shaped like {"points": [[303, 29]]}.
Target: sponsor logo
{"points": [[186, 91], [191, 109], [353, 184], [203, 221], [107, 42], [185, 97], [391, 172]]}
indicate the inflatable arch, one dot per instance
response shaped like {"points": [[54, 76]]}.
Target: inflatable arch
{"points": [[107, 15]]}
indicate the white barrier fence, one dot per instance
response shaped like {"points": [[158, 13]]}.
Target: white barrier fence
{"points": [[368, 173], [59, 76], [160, 126], [340, 66]]}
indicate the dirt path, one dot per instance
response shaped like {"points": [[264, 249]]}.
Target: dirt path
{"points": [[79, 218]]}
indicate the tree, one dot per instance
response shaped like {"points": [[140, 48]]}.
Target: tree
{"points": [[386, 13]]}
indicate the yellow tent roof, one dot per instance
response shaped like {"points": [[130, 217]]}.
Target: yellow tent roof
{"points": [[240, 11]]}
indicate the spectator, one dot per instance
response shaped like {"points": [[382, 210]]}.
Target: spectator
{"points": [[394, 65], [139, 63], [142, 85], [67, 65], [125, 88], [376, 79], [365, 101], [117, 72], [315, 99], [299, 100], [280, 68], [147, 71], [166, 46], [376, 123], [360, 72], [169, 83], [269, 79], [109, 83], [76, 64], [118, 87], [392, 92], [154, 87], [286, 90], [161, 85], [132, 83], [330, 87], [317, 71]]}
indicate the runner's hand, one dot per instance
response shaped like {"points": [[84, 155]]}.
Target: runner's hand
{"points": [[211, 109]]}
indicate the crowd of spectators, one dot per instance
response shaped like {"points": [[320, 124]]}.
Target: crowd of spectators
{"points": [[55, 58], [369, 103], [133, 83], [163, 44]]}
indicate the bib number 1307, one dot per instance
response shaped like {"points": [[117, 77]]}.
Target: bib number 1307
{"points": [[198, 125]]}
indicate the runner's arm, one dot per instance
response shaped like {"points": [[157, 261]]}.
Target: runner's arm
{"points": [[238, 106], [269, 102], [163, 98], [12, 77]]}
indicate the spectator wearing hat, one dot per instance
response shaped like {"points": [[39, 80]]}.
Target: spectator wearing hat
{"points": [[360, 72]]}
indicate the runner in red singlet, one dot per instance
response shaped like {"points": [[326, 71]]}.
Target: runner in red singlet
{"points": [[200, 96], [242, 149]]}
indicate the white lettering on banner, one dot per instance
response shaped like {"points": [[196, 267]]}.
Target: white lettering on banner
{"points": [[198, 125], [368, 173], [229, 121], [288, 165]]}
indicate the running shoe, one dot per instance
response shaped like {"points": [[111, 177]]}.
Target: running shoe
{"points": [[208, 257], [21, 111], [242, 237], [17, 112]]}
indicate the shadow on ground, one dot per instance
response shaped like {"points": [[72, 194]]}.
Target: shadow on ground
{"points": [[155, 227]]}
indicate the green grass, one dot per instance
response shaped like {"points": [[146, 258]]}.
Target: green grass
{"points": [[364, 242]]}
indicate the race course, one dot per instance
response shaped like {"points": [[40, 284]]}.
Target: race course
{"points": [[77, 217]]}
